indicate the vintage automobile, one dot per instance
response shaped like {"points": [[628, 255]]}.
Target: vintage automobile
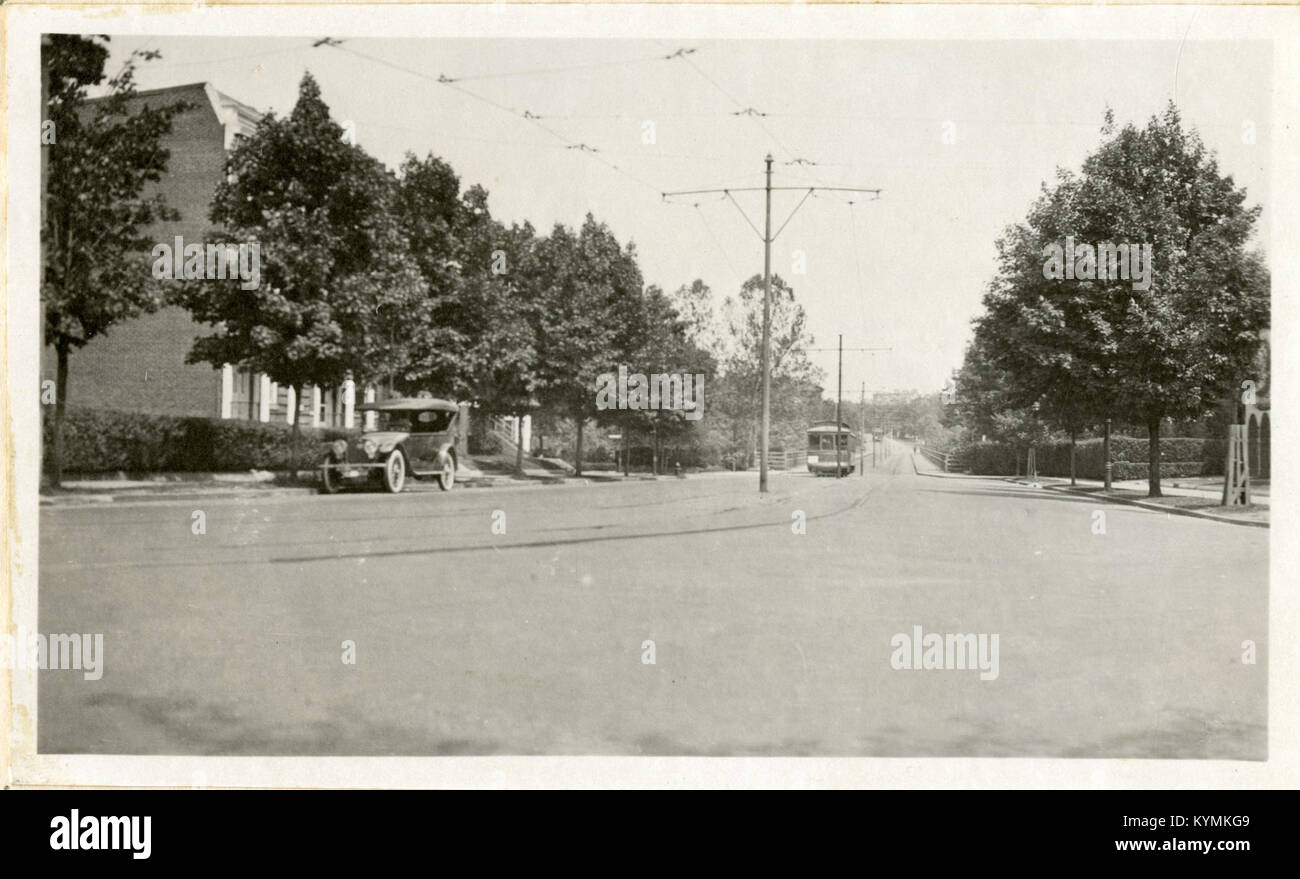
{"points": [[415, 437]]}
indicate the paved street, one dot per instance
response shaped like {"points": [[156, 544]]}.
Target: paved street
{"points": [[766, 642]]}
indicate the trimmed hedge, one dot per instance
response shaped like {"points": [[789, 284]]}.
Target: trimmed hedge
{"points": [[1179, 456], [106, 440]]}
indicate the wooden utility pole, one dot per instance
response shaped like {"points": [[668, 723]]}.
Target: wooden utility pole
{"points": [[763, 438], [768, 238], [839, 396], [862, 433], [1236, 473], [1105, 454]]}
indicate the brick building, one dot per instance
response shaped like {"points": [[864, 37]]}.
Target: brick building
{"points": [[139, 365]]}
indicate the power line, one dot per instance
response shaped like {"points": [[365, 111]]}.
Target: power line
{"points": [[842, 349], [544, 71], [267, 54], [524, 114], [514, 143], [792, 213], [718, 244], [768, 238], [729, 196], [743, 110]]}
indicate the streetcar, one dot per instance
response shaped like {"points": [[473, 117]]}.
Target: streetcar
{"points": [[822, 437]]}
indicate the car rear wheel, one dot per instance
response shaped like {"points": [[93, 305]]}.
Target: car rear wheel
{"points": [[329, 477], [394, 472], [447, 475]]}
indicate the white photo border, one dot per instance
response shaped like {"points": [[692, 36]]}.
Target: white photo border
{"points": [[20, 479]]}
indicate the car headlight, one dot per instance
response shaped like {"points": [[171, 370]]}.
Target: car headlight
{"points": [[340, 448], [369, 448], [387, 447]]}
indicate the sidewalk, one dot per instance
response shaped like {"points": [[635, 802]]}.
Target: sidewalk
{"points": [[1170, 488], [178, 486], [1195, 496], [1199, 502], [218, 486]]}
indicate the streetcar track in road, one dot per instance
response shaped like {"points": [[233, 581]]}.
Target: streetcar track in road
{"points": [[673, 500], [336, 540], [245, 512], [448, 508], [573, 541], [779, 499]]}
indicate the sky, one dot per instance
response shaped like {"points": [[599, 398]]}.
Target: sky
{"points": [[960, 136]]}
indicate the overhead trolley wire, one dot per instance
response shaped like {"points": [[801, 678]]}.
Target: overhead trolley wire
{"points": [[526, 115], [542, 71], [718, 244], [743, 109]]}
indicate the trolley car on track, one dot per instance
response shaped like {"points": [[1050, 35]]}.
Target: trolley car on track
{"points": [[823, 439]]}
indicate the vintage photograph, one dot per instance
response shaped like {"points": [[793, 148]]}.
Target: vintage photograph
{"points": [[424, 395]]}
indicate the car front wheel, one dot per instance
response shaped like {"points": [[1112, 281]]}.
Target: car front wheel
{"points": [[329, 478], [447, 475], [394, 472]]}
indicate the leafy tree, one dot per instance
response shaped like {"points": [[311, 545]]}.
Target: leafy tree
{"points": [[499, 309], [980, 388], [588, 284], [658, 341], [99, 210], [1042, 334], [1169, 345], [1184, 344], [434, 338], [694, 304], [480, 338], [335, 270], [985, 403], [795, 384]]}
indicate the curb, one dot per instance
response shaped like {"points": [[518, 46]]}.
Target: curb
{"points": [[72, 500], [1147, 505], [939, 474], [538, 482], [1128, 502], [146, 496]]}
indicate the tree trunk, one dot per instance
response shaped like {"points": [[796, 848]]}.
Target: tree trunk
{"points": [[1072, 481], [1153, 457], [294, 433], [577, 452], [60, 398], [519, 443]]}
